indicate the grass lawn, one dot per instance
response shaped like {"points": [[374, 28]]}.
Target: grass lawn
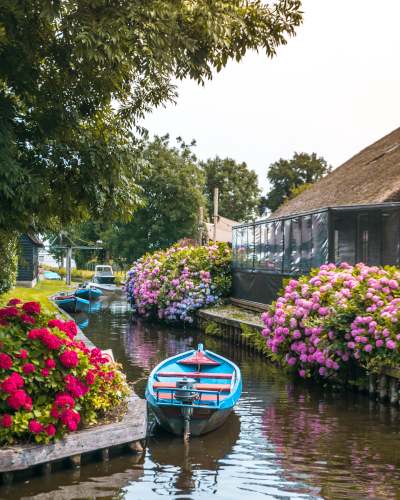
{"points": [[37, 294], [238, 313]]}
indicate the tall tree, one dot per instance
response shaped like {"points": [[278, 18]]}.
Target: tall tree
{"points": [[238, 188], [77, 74], [172, 194], [286, 176]]}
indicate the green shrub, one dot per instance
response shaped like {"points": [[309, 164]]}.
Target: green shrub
{"points": [[8, 262]]}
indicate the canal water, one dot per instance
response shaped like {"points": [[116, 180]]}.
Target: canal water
{"points": [[286, 439]]}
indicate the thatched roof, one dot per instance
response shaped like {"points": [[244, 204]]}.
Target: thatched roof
{"points": [[372, 176]]}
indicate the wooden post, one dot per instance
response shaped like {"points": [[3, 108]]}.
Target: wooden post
{"points": [[135, 447], [215, 215], [383, 391], [207, 237], [75, 461], [68, 270], [8, 478], [103, 454], [372, 385], [201, 227], [45, 468], [394, 392]]}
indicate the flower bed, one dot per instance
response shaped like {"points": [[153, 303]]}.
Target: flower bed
{"points": [[48, 381], [172, 285], [323, 321]]}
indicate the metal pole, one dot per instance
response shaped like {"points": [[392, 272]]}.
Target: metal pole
{"points": [[201, 227], [215, 215], [68, 270]]}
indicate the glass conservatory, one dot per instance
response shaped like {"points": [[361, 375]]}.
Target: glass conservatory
{"points": [[267, 251]]}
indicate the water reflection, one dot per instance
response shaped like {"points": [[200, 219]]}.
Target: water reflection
{"points": [[285, 439]]}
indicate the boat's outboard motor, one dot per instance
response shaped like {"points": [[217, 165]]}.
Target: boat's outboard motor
{"points": [[186, 395]]}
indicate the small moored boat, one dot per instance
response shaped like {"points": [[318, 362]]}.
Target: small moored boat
{"points": [[88, 292], [70, 303], [104, 278], [194, 392], [50, 275]]}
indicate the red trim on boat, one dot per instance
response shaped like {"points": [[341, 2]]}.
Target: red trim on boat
{"points": [[195, 375], [204, 397], [200, 387], [199, 358]]}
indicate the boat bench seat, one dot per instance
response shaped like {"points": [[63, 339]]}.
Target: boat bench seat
{"points": [[195, 375], [204, 397], [64, 297], [200, 387]]}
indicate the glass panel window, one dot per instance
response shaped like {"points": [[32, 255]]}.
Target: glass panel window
{"points": [[295, 257], [320, 247], [287, 248], [250, 247], [235, 239], [271, 247], [391, 237], [306, 243], [264, 246], [278, 246], [257, 247]]}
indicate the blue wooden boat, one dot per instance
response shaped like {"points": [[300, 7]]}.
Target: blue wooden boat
{"points": [[88, 292], [194, 392], [71, 303]]}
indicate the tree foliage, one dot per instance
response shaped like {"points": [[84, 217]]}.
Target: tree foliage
{"points": [[238, 188], [77, 74], [286, 176], [8, 261]]}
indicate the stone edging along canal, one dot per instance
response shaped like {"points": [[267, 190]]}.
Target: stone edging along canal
{"points": [[96, 443], [383, 385]]}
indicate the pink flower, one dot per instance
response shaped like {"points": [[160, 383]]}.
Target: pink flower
{"points": [[28, 368], [45, 372], [69, 359], [14, 302], [35, 427], [391, 344], [31, 307], [302, 373], [368, 347], [27, 319], [50, 364], [322, 311], [17, 399], [5, 361], [50, 430], [3, 323], [28, 403], [379, 343], [351, 345], [9, 312], [23, 354], [90, 378], [336, 366], [329, 363], [6, 421]]}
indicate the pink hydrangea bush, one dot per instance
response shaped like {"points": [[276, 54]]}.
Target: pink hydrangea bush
{"points": [[49, 381], [172, 285], [336, 316]]}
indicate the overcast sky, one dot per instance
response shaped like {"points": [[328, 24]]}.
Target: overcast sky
{"points": [[333, 89]]}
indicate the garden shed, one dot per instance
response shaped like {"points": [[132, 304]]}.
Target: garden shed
{"points": [[352, 215], [28, 274]]}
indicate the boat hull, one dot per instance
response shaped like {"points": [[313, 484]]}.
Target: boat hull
{"points": [[104, 287], [72, 305], [88, 294], [170, 419], [104, 280]]}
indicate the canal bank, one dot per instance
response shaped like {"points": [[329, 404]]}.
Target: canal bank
{"points": [[286, 439]]}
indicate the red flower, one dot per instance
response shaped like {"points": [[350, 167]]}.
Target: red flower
{"points": [[45, 372], [50, 430], [31, 307], [8, 312], [17, 399], [75, 387], [12, 383], [23, 354], [4, 323], [64, 401], [90, 378], [14, 302], [5, 361], [33, 334], [55, 323], [69, 359], [27, 319], [49, 340], [35, 427], [54, 413], [70, 419], [28, 368], [28, 403], [50, 363], [6, 421]]}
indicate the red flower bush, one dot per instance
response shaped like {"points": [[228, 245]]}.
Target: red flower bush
{"points": [[5, 361], [4, 323], [75, 382], [69, 359], [31, 307], [6, 421], [27, 319], [14, 302]]}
